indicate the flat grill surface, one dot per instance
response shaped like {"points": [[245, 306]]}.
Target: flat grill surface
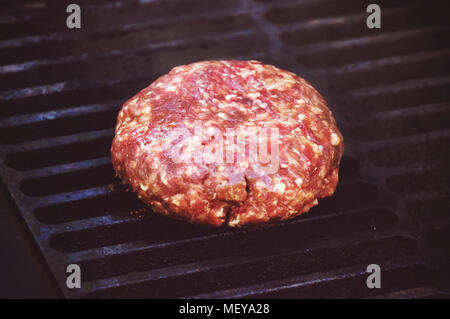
{"points": [[389, 90]]}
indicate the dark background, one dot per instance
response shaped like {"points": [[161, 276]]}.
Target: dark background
{"points": [[24, 273]]}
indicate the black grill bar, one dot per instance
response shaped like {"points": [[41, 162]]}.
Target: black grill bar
{"points": [[389, 90]]}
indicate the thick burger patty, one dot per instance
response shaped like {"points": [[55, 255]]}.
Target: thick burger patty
{"points": [[170, 135]]}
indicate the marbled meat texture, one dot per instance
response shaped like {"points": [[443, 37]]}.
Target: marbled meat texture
{"points": [[240, 95]]}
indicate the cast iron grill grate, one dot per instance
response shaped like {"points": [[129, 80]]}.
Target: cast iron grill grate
{"points": [[389, 90]]}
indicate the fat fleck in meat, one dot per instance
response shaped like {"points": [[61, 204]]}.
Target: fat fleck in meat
{"points": [[238, 96]]}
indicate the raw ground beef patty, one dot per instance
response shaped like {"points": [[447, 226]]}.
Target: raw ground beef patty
{"points": [[186, 144]]}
